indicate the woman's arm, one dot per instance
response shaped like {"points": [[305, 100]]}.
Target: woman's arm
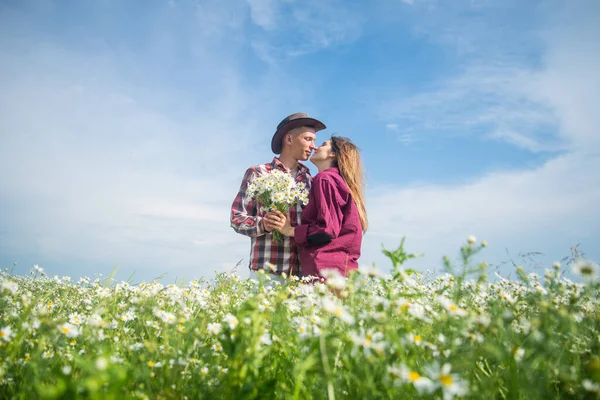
{"points": [[328, 222]]}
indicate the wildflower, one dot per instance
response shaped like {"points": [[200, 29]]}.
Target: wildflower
{"points": [[104, 292], [272, 267], [128, 316], [370, 340], [116, 360], [518, 353], [585, 268], [75, 319], [101, 363], [11, 287], [6, 333], [370, 270], [222, 370], [591, 386], [471, 239], [337, 311], [418, 311], [556, 265], [204, 371], [167, 317], [266, 339], [334, 279], [293, 307], [217, 347], [47, 354], [402, 374], [451, 384], [452, 308], [232, 321], [214, 328], [38, 269], [96, 320], [415, 339], [69, 330], [136, 346], [66, 370]]}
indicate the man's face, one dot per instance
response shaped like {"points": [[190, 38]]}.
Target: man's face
{"points": [[302, 142]]}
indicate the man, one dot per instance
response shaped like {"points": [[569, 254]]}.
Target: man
{"points": [[294, 141]]}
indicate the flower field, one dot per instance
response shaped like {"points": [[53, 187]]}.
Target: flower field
{"points": [[402, 335]]}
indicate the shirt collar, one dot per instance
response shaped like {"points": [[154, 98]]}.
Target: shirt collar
{"points": [[302, 169]]}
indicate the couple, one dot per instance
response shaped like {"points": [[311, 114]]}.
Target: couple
{"points": [[326, 233]]}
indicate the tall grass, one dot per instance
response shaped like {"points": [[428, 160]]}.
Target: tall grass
{"points": [[402, 335]]}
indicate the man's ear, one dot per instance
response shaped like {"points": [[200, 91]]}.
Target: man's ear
{"points": [[288, 138]]}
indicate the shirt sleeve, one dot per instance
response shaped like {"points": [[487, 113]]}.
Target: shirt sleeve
{"points": [[245, 218], [328, 223]]}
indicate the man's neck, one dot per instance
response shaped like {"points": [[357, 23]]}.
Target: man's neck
{"points": [[289, 162]]}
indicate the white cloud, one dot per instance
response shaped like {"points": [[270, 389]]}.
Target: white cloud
{"points": [[545, 209], [549, 106], [306, 27], [96, 171], [263, 13], [497, 99]]}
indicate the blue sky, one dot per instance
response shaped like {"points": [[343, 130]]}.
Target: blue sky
{"points": [[125, 127]]}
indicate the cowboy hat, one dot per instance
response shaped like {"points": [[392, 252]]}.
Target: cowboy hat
{"points": [[290, 122]]}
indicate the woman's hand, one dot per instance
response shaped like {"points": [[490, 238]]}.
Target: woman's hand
{"points": [[287, 229]]}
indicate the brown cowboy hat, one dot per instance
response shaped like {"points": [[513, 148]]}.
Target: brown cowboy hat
{"points": [[290, 122]]}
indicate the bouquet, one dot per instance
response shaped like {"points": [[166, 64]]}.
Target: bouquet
{"points": [[277, 190]]}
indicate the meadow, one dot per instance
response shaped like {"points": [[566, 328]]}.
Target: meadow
{"points": [[401, 335]]}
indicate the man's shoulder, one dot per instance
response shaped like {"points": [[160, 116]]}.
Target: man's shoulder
{"points": [[260, 168]]}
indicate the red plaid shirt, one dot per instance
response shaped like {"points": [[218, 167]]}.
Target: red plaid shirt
{"points": [[247, 219]]}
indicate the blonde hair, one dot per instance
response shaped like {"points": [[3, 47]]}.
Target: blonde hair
{"points": [[350, 165]]}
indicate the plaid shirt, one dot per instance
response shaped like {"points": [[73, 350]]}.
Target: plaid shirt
{"points": [[247, 219]]}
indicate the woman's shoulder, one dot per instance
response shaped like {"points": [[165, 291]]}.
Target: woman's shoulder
{"points": [[330, 178], [330, 174]]}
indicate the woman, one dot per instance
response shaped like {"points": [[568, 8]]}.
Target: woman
{"points": [[333, 222]]}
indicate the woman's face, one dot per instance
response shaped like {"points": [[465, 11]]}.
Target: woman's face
{"points": [[323, 152]]}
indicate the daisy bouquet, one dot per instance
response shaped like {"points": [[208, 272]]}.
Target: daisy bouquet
{"points": [[277, 190]]}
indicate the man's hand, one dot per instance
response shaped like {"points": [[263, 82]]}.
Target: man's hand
{"points": [[274, 220]]}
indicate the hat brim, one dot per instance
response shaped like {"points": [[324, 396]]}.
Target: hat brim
{"points": [[276, 142]]}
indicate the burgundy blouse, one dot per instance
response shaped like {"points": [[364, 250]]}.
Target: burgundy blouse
{"points": [[330, 234]]}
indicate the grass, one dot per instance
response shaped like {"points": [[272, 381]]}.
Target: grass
{"points": [[402, 335]]}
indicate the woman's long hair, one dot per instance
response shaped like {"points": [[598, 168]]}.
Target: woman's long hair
{"points": [[349, 163]]}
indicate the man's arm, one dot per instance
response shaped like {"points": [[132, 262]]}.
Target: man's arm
{"points": [[245, 218]]}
